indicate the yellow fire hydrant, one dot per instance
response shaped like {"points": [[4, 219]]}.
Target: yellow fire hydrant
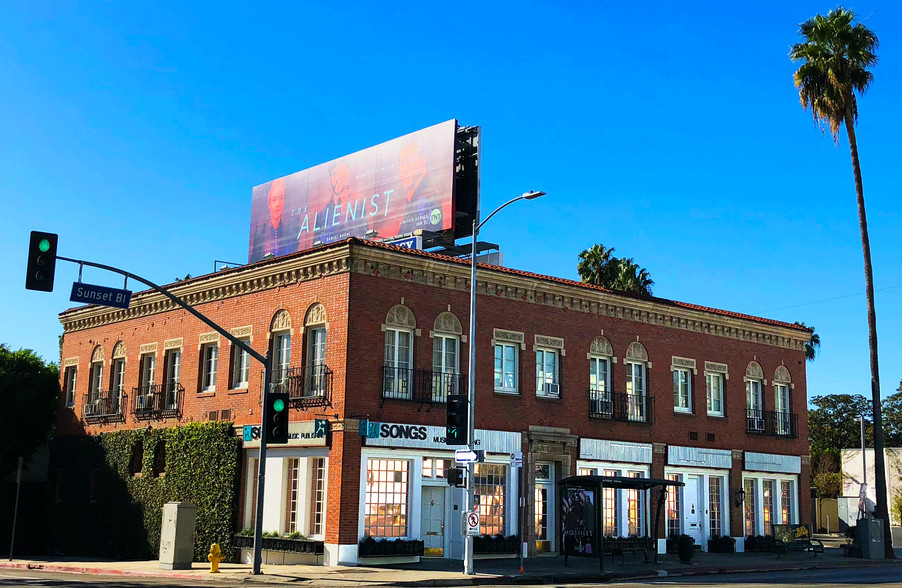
{"points": [[215, 557]]}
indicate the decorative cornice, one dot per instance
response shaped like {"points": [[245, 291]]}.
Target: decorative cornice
{"points": [[434, 271]]}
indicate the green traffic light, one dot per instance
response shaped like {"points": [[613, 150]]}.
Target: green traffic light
{"points": [[278, 405], [44, 245]]}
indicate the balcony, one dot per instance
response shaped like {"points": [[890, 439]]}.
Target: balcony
{"points": [[158, 401], [306, 386], [633, 408], [771, 424], [104, 406], [425, 386]]}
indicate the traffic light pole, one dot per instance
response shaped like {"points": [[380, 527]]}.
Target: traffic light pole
{"points": [[267, 380]]}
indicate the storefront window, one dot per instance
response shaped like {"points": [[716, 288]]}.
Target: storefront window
{"points": [[491, 486], [610, 512], [769, 495], [786, 501], [751, 508], [387, 483], [435, 468], [292, 494], [634, 509], [674, 499], [715, 506], [318, 494]]}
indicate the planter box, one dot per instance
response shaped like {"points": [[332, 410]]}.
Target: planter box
{"points": [[304, 546], [390, 547], [493, 544]]}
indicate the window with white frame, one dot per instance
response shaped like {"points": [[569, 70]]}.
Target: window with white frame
{"points": [[281, 354], [398, 363], [610, 511], [715, 505], [172, 362], [769, 494], [634, 511], [293, 496], [490, 484], [636, 364], [209, 354], [782, 384], [506, 372], [148, 366], [787, 508], [317, 496], [117, 384], [241, 365], [70, 375], [315, 369], [447, 335], [682, 387], [674, 506], [386, 499], [600, 358], [715, 378], [750, 486], [547, 382]]}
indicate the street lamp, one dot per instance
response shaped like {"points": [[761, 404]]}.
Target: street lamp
{"points": [[471, 392]]}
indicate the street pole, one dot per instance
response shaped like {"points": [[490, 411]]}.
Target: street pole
{"points": [[261, 467], [16, 509], [469, 501], [864, 472]]}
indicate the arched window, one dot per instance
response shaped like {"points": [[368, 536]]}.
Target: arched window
{"points": [[315, 368], [397, 372], [754, 397], [782, 406], [601, 357], [447, 334], [280, 340], [636, 381]]}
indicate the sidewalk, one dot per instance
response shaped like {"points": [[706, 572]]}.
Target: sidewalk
{"points": [[442, 572]]}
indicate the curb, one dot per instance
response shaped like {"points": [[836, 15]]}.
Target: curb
{"points": [[76, 569]]}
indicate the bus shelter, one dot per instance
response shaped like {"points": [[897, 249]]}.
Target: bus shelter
{"points": [[581, 505]]}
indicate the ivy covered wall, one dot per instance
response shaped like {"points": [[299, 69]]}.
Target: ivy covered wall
{"points": [[106, 492]]}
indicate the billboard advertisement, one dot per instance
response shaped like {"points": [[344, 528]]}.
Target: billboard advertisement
{"points": [[578, 522], [393, 188]]}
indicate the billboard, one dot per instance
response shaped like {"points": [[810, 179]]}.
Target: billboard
{"points": [[393, 188]]}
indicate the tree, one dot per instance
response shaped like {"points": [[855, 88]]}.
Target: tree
{"points": [[835, 56], [598, 266], [814, 343], [892, 419], [833, 422], [29, 389]]}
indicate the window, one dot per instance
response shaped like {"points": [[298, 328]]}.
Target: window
{"points": [[96, 384], [385, 503], [293, 495], [506, 373], [444, 366], [610, 514], [145, 382], [633, 509], [755, 412], [770, 495], [117, 384], [787, 508], [70, 376], [781, 406], [398, 363], [547, 383], [681, 390], [635, 390], [281, 353], [674, 501], [316, 360], [253, 466], [436, 468], [751, 507], [490, 483], [241, 365], [209, 354], [173, 363], [600, 386], [317, 495], [715, 394], [715, 506]]}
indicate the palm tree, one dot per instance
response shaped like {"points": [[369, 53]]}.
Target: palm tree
{"points": [[814, 343], [594, 265], [632, 278], [835, 56]]}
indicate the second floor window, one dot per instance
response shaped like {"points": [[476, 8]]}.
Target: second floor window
{"points": [[241, 365], [148, 366], [281, 347], [398, 362], [444, 365], [96, 379], [70, 376], [506, 367], [547, 383], [117, 383], [753, 395], [599, 374], [173, 361], [682, 385], [715, 394], [209, 358]]}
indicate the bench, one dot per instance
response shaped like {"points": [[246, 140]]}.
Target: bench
{"points": [[622, 546], [795, 538]]}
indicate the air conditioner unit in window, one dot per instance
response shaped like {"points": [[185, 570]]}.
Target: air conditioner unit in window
{"points": [[551, 389]]}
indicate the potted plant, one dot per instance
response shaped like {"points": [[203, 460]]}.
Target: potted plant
{"points": [[685, 548]]}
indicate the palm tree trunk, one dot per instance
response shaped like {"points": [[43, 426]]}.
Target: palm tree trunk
{"points": [[881, 510]]}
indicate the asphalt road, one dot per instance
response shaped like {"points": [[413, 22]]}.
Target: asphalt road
{"points": [[14, 577]]}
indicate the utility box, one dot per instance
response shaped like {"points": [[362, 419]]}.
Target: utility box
{"points": [[870, 537], [177, 536]]}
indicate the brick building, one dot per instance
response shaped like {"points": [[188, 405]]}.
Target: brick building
{"points": [[371, 338]]}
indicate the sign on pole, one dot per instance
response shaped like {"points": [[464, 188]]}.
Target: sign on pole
{"points": [[516, 459], [471, 523], [93, 294], [465, 456]]}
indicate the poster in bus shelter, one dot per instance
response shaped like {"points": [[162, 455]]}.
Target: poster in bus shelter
{"points": [[578, 522], [393, 189]]}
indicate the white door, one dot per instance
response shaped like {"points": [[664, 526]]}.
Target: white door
{"points": [[693, 519], [433, 520]]}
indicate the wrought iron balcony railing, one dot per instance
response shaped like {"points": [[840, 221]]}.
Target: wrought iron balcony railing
{"points": [[104, 406], [306, 386], [771, 423], [421, 385], [634, 408], [158, 401]]}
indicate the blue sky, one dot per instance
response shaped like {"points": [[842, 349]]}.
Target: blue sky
{"points": [[670, 132]]}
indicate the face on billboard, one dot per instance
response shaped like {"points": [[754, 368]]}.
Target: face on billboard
{"points": [[394, 189]]}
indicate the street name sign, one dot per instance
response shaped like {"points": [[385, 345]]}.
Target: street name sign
{"points": [[92, 294]]}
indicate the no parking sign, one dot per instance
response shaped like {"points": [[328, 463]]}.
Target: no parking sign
{"points": [[471, 523]]}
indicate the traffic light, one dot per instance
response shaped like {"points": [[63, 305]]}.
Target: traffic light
{"points": [[41, 261], [276, 418], [456, 419], [457, 477]]}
